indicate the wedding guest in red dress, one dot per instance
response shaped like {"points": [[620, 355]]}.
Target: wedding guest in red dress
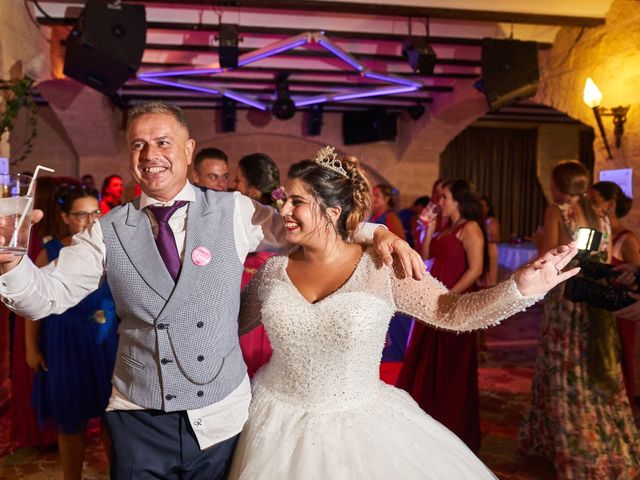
{"points": [[111, 194], [441, 367], [609, 198], [257, 177]]}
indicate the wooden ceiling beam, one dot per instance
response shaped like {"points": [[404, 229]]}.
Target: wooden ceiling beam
{"points": [[390, 11], [310, 54], [184, 98], [289, 32]]}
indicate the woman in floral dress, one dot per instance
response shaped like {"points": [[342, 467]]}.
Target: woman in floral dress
{"points": [[580, 417]]}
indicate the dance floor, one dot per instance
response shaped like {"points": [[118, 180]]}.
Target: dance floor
{"points": [[505, 380]]}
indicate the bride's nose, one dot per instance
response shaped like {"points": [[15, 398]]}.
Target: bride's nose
{"points": [[286, 208]]}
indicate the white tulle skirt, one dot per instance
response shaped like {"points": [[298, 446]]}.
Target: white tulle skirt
{"points": [[387, 437]]}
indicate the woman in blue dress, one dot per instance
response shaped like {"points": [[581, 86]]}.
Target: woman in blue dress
{"points": [[73, 353]]}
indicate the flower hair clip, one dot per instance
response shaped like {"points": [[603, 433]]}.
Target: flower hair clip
{"points": [[328, 158], [277, 197]]}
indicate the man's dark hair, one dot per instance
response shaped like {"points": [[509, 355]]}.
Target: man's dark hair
{"points": [[209, 154]]}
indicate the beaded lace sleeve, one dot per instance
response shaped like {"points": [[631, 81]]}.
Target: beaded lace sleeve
{"points": [[429, 301], [251, 301]]}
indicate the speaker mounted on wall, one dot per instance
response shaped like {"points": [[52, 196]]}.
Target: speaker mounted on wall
{"points": [[228, 115], [105, 48], [373, 125], [314, 120], [228, 48], [509, 70]]}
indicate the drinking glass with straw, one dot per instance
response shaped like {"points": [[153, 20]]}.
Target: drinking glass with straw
{"points": [[15, 210]]}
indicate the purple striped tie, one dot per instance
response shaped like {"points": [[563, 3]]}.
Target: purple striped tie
{"points": [[165, 241]]}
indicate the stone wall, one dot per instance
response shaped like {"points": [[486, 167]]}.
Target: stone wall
{"points": [[610, 55]]}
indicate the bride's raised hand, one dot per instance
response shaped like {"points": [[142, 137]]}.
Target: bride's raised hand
{"points": [[541, 275]]}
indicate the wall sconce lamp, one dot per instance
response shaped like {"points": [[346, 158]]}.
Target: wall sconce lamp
{"points": [[593, 98]]}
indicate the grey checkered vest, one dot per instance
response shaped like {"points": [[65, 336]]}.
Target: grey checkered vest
{"points": [[178, 347]]}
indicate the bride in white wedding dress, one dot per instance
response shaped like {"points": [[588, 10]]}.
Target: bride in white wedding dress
{"points": [[319, 409]]}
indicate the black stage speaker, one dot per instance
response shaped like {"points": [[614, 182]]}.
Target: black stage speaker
{"points": [[370, 126], [228, 48], [510, 71], [105, 48], [228, 115], [314, 120]]}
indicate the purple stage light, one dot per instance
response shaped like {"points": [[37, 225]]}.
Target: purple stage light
{"points": [[175, 73], [391, 79], [185, 86], [373, 93], [242, 99], [397, 85], [341, 54], [271, 50], [311, 101]]}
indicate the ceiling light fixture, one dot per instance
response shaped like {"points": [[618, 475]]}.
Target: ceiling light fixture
{"points": [[283, 108], [417, 51]]}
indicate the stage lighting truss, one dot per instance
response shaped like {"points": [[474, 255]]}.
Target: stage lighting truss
{"points": [[396, 84]]}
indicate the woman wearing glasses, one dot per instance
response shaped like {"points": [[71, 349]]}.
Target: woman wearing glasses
{"points": [[73, 353]]}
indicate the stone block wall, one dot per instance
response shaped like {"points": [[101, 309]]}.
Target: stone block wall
{"points": [[610, 55]]}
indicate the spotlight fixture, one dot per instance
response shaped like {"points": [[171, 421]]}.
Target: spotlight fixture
{"points": [[417, 51], [592, 96], [283, 108], [228, 45]]}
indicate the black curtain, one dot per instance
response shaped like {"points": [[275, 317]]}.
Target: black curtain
{"points": [[586, 155], [501, 163]]}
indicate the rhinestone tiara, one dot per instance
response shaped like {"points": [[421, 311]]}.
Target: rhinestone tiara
{"points": [[328, 158]]}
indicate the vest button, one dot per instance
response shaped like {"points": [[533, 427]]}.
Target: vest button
{"points": [[168, 396], [164, 361], [161, 326], [200, 324], [200, 358], [200, 393]]}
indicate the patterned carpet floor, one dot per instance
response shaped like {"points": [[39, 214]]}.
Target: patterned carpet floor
{"points": [[505, 381]]}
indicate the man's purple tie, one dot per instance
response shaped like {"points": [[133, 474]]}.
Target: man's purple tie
{"points": [[165, 241]]}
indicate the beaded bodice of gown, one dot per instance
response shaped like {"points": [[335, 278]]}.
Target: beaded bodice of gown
{"points": [[326, 355]]}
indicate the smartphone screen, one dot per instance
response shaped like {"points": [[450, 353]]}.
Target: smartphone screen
{"points": [[588, 239]]}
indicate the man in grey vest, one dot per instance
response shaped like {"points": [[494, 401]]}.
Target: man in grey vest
{"points": [[174, 260]]}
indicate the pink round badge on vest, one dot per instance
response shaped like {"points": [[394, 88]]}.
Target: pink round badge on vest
{"points": [[201, 256]]}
